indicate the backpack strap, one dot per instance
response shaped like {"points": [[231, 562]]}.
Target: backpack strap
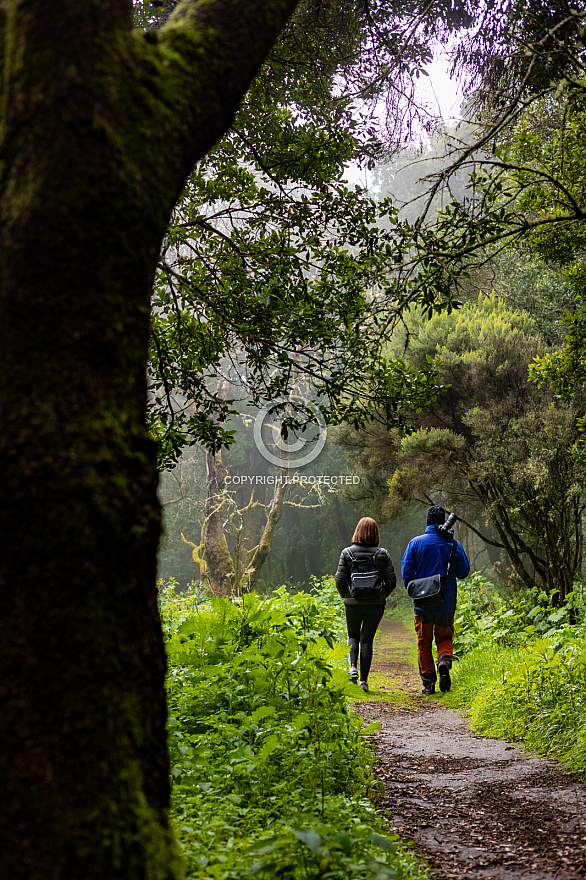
{"points": [[451, 559], [352, 558], [374, 560]]}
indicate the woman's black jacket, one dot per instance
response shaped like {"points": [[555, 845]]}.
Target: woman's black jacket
{"points": [[364, 552]]}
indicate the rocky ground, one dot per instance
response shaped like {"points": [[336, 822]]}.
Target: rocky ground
{"points": [[475, 807]]}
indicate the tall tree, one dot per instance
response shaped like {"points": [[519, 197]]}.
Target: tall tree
{"points": [[525, 216], [100, 127]]}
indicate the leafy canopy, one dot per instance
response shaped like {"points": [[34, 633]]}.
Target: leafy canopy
{"points": [[275, 266]]}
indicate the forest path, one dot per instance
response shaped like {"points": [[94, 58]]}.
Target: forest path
{"points": [[475, 807]]}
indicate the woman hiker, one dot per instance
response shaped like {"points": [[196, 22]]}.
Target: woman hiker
{"points": [[364, 579]]}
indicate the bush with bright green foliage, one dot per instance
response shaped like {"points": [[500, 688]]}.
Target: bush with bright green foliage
{"points": [[484, 615], [272, 771], [522, 669]]}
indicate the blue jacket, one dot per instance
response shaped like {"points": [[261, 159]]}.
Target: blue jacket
{"points": [[429, 554]]}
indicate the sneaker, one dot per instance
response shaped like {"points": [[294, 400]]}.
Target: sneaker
{"points": [[353, 674], [445, 682], [428, 688], [364, 686]]}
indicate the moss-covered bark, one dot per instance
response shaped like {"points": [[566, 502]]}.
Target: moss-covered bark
{"points": [[252, 574], [100, 127], [219, 564]]}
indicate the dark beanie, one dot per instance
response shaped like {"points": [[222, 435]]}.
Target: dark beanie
{"points": [[436, 515]]}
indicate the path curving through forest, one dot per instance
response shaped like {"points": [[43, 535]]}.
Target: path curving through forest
{"points": [[475, 807]]}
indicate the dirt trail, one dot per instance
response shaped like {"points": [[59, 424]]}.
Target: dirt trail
{"points": [[475, 807]]}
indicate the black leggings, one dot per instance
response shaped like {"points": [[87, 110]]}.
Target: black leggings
{"points": [[362, 622]]}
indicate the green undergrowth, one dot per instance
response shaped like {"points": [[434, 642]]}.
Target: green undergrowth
{"points": [[271, 768], [521, 672]]}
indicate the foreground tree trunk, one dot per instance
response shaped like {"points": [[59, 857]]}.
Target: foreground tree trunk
{"points": [[100, 128]]}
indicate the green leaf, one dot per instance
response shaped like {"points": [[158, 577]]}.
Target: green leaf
{"points": [[371, 727], [310, 838], [262, 712], [382, 842]]}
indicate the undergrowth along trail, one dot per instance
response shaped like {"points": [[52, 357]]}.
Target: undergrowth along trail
{"points": [[272, 772]]}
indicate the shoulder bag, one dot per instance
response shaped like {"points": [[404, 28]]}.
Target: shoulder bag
{"points": [[431, 590]]}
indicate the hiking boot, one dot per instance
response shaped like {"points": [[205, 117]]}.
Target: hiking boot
{"points": [[364, 686], [428, 688], [353, 674], [443, 668]]}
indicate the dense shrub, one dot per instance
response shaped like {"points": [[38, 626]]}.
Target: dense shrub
{"points": [[522, 669], [486, 615]]}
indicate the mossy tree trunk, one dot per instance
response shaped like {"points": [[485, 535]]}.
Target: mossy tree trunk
{"points": [[251, 576], [100, 127], [220, 567]]}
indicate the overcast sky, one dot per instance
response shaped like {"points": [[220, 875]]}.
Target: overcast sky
{"points": [[438, 89]]}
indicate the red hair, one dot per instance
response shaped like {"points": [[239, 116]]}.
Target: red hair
{"points": [[366, 532]]}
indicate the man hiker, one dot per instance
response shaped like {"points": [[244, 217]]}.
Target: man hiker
{"points": [[436, 552]]}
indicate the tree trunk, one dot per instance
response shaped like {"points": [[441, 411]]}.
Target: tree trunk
{"points": [[82, 729], [252, 573], [514, 546], [494, 552], [100, 128], [220, 567], [339, 517]]}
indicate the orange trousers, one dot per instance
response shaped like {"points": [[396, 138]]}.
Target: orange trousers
{"points": [[443, 641]]}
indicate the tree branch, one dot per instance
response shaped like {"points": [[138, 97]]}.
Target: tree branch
{"points": [[207, 55], [480, 535]]}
